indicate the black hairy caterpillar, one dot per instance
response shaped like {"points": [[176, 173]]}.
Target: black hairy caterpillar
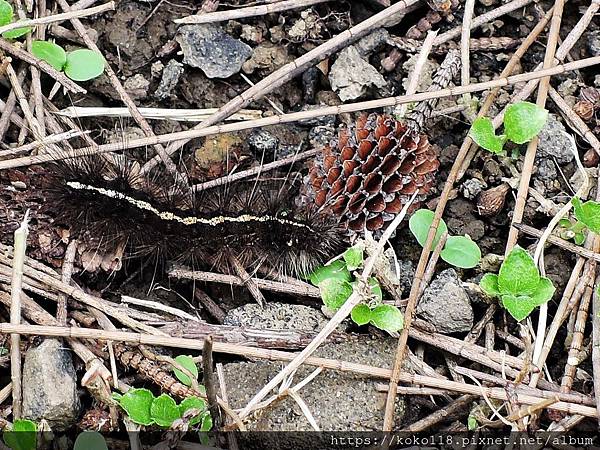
{"points": [[258, 222]]}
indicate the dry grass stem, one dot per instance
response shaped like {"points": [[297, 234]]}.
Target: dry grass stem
{"points": [[415, 75], [250, 11], [16, 290], [181, 115], [58, 17]]}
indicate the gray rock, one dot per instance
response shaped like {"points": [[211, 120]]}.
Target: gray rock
{"points": [[471, 188], [351, 75], [50, 385], [593, 42], [279, 316], [320, 136], [340, 401], [337, 400], [554, 143], [546, 170], [406, 275], [209, 48], [446, 305], [261, 142], [170, 78]]}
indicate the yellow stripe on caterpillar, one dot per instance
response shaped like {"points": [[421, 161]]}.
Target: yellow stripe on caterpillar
{"points": [[189, 220]]}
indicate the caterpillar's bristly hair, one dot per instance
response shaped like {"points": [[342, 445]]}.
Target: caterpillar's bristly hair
{"points": [[256, 222]]}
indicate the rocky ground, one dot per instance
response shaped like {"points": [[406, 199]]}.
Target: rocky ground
{"points": [[161, 64]]}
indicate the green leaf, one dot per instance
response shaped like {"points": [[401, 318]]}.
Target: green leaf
{"points": [[207, 422], [361, 314], [84, 64], [335, 292], [387, 318], [164, 410], [588, 213], [483, 133], [544, 292], [523, 121], [90, 440], [419, 224], [6, 13], [376, 288], [50, 52], [17, 32], [518, 306], [489, 285], [518, 273], [337, 269], [137, 404], [461, 251], [471, 423], [188, 363], [193, 403], [354, 257], [579, 238], [22, 436]]}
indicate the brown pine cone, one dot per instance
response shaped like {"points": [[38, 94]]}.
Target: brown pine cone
{"points": [[491, 201], [584, 109], [371, 171]]}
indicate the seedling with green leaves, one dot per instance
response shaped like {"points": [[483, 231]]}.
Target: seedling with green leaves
{"points": [[570, 229], [336, 283], [587, 217], [518, 284], [522, 122], [588, 213], [143, 408], [6, 17], [459, 251], [78, 65]]}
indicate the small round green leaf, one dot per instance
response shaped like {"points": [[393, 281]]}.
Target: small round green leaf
{"points": [[361, 314], [137, 404], [22, 436], [50, 52], [16, 33], [90, 440], [387, 318], [193, 403], [6, 13], [84, 64], [523, 121], [164, 410], [579, 238], [461, 251], [483, 133], [419, 224], [187, 362], [489, 285], [337, 269], [335, 292], [354, 257]]}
